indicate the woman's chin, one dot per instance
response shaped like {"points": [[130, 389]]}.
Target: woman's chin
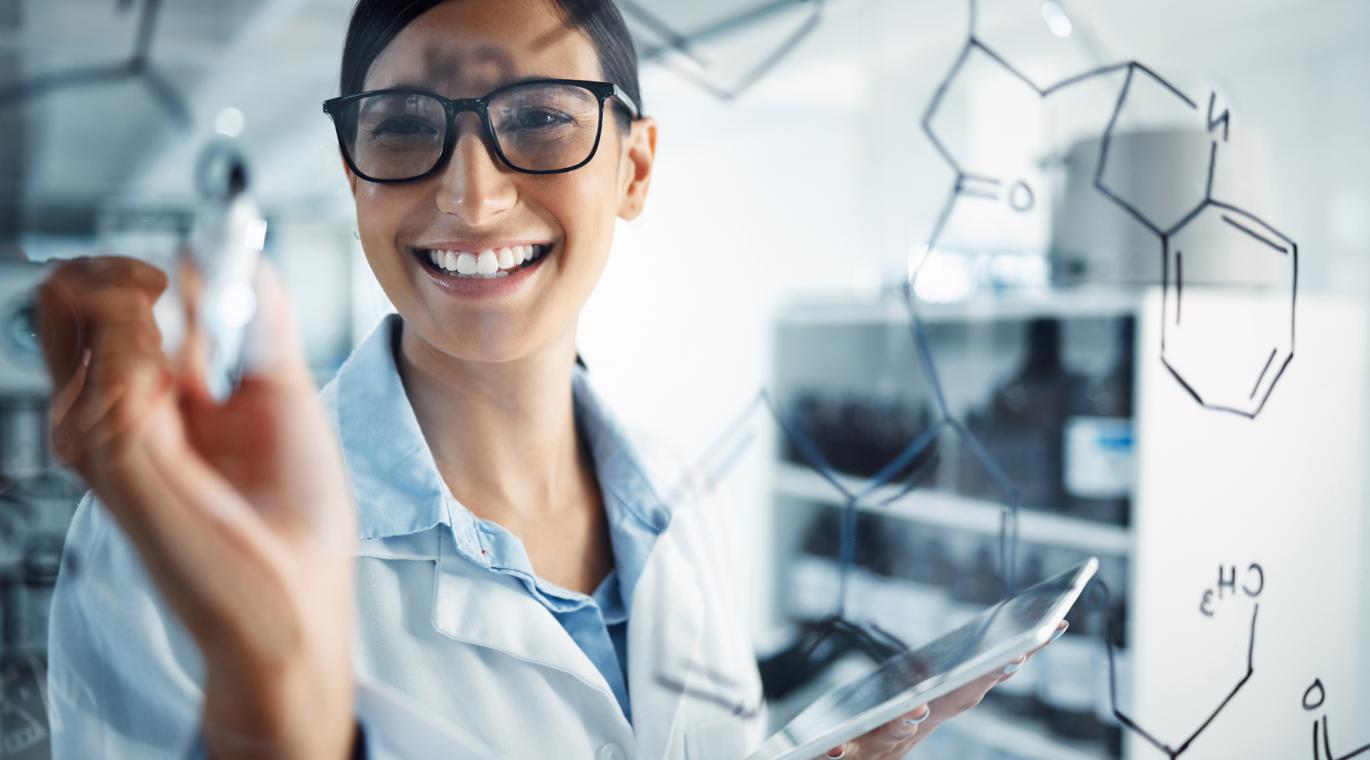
{"points": [[483, 339]]}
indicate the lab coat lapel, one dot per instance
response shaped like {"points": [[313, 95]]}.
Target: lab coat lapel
{"points": [[665, 637], [477, 607]]}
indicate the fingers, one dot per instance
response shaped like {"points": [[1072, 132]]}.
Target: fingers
{"points": [[66, 396], [84, 293], [103, 351], [897, 737], [892, 740], [903, 729]]}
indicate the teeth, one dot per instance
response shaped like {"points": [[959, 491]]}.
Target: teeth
{"points": [[489, 264]]}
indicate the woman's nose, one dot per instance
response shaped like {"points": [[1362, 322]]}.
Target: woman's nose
{"points": [[475, 185]]}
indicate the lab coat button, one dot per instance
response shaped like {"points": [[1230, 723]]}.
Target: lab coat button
{"points": [[612, 752]]}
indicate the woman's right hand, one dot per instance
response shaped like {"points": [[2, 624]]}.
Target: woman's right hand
{"points": [[241, 512]]}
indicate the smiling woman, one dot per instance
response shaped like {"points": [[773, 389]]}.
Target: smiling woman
{"points": [[510, 579]]}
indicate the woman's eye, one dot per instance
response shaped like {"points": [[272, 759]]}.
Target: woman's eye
{"points": [[403, 128], [538, 118]]}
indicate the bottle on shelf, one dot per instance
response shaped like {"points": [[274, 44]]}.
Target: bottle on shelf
{"points": [[1021, 426], [859, 435], [1098, 443]]}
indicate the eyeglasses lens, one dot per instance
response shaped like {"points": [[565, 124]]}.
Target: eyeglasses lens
{"points": [[538, 127]]}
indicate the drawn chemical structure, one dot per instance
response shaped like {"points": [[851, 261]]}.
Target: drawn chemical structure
{"points": [[1196, 232], [677, 50], [1313, 699], [1202, 351], [1252, 587]]}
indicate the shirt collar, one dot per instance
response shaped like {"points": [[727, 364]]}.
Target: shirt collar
{"points": [[395, 477], [393, 474]]}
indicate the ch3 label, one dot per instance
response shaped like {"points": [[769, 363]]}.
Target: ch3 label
{"points": [[1252, 583]]}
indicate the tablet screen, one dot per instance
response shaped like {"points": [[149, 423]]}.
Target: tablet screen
{"points": [[956, 655]]}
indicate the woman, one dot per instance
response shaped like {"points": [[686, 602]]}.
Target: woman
{"points": [[512, 583]]}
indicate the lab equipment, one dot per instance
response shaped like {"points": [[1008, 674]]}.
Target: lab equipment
{"points": [[1019, 624]]}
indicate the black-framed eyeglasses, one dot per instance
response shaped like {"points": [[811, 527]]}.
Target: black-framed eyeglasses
{"points": [[536, 126]]}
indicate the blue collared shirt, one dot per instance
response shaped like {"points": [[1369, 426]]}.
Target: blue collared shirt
{"points": [[400, 491]]}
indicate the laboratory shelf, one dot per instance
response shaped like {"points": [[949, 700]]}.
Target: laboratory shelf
{"points": [[958, 512], [1021, 737], [1085, 302]]}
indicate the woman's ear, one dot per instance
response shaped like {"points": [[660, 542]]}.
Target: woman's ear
{"points": [[636, 170]]}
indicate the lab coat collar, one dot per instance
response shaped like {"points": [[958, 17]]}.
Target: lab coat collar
{"points": [[394, 476], [494, 612]]}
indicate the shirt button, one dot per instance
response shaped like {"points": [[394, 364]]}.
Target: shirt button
{"points": [[612, 751]]}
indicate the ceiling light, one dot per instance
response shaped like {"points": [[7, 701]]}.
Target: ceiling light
{"points": [[229, 122], [1057, 20]]}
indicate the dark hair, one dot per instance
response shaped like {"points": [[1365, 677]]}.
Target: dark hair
{"points": [[376, 22]]}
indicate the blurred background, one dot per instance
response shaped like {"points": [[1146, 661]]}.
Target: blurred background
{"points": [[813, 158]]}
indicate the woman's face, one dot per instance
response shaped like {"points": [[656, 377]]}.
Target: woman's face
{"points": [[465, 49]]}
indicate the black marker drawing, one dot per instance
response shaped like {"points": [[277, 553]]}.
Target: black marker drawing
{"points": [[1184, 352], [1313, 699], [697, 72], [1252, 586], [1215, 393], [1174, 752]]}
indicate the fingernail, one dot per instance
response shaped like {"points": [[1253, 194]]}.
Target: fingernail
{"points": [[841, 753], [927, 713], [1059, 632], [1011, 668], [85, 357]]}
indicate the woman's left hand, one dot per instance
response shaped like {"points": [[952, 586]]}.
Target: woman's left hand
{"points": [[893, 740]]}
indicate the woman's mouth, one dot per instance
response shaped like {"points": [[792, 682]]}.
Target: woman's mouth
{"points": [[489, 264]]}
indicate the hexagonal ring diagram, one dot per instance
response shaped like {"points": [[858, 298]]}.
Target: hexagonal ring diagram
{"points": [[1231, 285]]}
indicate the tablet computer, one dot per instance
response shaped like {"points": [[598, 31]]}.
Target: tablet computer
{"points": [[1014, 626]]}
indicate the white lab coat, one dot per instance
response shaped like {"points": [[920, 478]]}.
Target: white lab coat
{"points": [[476, 649], [451, 659]]}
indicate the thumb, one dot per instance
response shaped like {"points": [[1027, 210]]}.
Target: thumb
{"points": [[272, 353]]}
